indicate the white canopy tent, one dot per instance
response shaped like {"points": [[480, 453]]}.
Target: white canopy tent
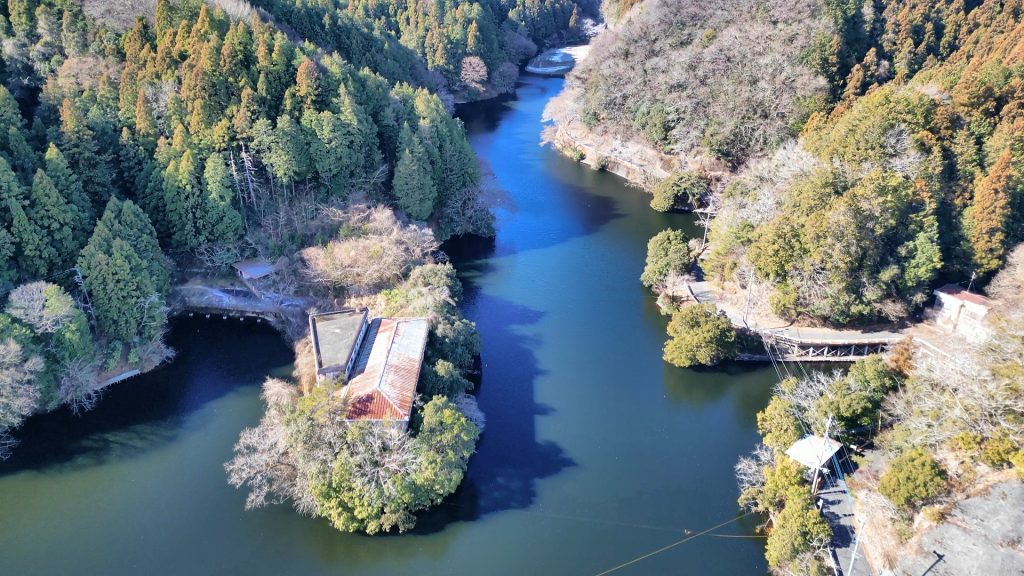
{"points": [[813, 451]]}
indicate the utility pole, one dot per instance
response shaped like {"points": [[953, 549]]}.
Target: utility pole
{"points": [[86, 302], [817, 469], [746, 307], [856, 544]]}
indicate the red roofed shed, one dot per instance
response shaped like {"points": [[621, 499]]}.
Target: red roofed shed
{"points": [[383, 383]]}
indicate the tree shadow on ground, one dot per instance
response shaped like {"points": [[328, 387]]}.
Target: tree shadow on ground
{"points": [[215, 357]]}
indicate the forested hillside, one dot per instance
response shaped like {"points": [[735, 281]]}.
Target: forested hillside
{"points": [[468, 47], [910, 179], [865, 153], [732, 78], [138, 139], [871, 149]]}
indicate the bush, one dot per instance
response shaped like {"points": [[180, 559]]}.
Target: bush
{"points": [[912, 479], [967, 442], [1018, 463], [998, 450], [114, 351], [798, 529], [444, 379], [700, 335], [778, 425], [679, 190], [667, 253]]}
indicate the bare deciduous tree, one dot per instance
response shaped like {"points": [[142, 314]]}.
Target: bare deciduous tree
{"points": [[750, 473], [473, 73], [804, 393], [379, 458], [504, 78], [938, 404], [263, 461], [79, 388], [281, 458], [373, 252], [19, 395], [41, 305], [7, 444], [155, 352], [468, 407]]}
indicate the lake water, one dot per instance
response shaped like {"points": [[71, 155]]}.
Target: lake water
{"points": [[596, 452]]}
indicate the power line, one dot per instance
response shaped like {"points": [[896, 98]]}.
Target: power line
{"points": [[672, 545]]}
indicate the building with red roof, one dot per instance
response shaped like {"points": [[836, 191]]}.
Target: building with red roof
{"points": [[961, 312], [379, 362]]}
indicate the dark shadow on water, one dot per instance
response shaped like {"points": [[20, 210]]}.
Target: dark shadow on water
{"points": [[484, 116], [551, 199], [509, 460], [215, 357], [748, 383]]}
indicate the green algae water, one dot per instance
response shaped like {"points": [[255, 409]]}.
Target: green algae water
{"points": [[595, 453]]}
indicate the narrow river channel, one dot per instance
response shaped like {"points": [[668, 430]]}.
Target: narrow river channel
{"points": [[595, 452]]}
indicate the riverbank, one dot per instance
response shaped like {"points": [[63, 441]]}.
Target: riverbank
{"points": [[595, 452], [557, 61]]}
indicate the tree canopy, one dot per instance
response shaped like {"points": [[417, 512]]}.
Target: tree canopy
{"points": [[699, 335]]}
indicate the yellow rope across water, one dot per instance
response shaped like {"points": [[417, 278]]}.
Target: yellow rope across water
{"points": [[672, 545]]}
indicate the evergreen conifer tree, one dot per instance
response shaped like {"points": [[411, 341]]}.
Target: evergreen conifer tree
{"points": [[413, 185], [222, 222], [55, 220], [125, 275], [989, 214]]}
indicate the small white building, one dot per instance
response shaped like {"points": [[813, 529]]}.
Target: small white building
{"points": [[337, 337], [813, 452], [251, 272], [961, 312]]}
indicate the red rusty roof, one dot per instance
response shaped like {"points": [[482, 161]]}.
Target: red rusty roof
{"points": [[961, 293], [383, 385]]}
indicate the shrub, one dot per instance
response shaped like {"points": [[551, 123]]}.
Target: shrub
{"points": [[966, 442], [444, 379], [678, 190], [912, 479], [667, 253], [1018, 463], [998, 450], [798, 529], [778, 425], [114, 351], [700, 335], [935, 514]]}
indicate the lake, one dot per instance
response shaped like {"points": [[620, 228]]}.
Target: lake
{"points": [[595, 454]]}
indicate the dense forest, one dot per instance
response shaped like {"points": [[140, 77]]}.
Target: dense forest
{"points": [[848, 158], [143, 146], [196, 133], [457, 46], [911, 179], [938, 436], [871, 149]]}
